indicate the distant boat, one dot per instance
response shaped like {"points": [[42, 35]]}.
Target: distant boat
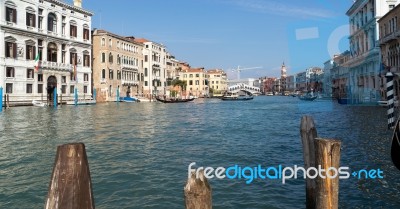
{"points": [[307, 97], [39, 104], [231, 96], [172, 100], [129, 99], [342, 100]]}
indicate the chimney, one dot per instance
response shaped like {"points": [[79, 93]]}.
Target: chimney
{"points": [[78, 3]]}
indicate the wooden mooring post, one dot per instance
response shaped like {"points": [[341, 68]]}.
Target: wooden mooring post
{"points": [[70, 185], [308, 134], [327, 153], [198, 192], [321, 193], [8, 101]]}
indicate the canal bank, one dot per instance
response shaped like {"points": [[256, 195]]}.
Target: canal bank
{"points": [[139, 153]]}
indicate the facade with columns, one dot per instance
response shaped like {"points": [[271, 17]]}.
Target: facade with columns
{"points": [[154, 68], [390, 49], [117, 66], [365, 59], [55, 32]]}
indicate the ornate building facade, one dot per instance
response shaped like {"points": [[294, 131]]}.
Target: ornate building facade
{"points": [[45, 45], [365, 58], [117, 66]]}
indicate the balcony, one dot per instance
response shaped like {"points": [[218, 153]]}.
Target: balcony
{"points": [[56, 66], [388, 37], [129, 83], [103, 81], [129, 67], [156, 67]]}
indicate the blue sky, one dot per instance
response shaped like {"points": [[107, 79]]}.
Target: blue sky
{"points": [[227, 33]]}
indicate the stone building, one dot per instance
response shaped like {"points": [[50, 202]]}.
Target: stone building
{"points": [[117, 66], [365, 59], [45, 45]]}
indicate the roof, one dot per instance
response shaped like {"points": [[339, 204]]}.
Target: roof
{"points": [[195, 70], [99, 32], [141, 40]]}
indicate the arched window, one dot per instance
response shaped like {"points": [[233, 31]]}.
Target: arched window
{"points": [[52, 22], [103, 57], [52, 52], [110, 58], [11, 12], [86, 34], [103, 74], [30, 17], [111, 74], [103, 42], [73, 29]]}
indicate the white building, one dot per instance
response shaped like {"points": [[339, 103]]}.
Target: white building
{"points": [[365, 59], [60, 34], [154, 66]]}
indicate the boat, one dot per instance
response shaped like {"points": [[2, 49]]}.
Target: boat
{"points": [[39, 104], [384, 103], [307, 97], [231, 96], [129, 99], [342, 100], [174, 100]]}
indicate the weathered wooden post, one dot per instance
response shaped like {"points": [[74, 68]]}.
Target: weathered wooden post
{"points": [[8, 101], [70, 185], [198, 192], [308, 134], [327, 153]]}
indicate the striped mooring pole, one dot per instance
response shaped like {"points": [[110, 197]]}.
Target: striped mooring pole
{"points": [[390, 99]]}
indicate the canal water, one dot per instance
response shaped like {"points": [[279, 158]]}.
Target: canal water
{"points": [[139, 152]]}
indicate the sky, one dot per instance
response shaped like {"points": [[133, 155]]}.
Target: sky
{"points": [[226, 34]]}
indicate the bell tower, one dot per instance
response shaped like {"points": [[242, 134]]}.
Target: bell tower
{"points": [[283, 78]]}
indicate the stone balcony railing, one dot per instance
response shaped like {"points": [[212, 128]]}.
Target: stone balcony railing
{"points": [[55, 66], [129, 83], [129, 67]]}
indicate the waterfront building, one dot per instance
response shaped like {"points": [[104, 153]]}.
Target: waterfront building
{"points": [[173, 72], [154, 67], [217, 81], [196, 82], [117, 66], [390, 49], [340, 76], [290, 83], [267, 85], [45, 45], [327, 78], [301, 81], [365, 59]]}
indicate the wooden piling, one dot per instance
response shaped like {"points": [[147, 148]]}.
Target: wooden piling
{"points": [[327, 153], [70, 186], [308, 134], [8, 101], [61, 100], [198, 192]]}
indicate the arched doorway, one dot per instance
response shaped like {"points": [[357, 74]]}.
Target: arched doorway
{"points": [[51, 85]]}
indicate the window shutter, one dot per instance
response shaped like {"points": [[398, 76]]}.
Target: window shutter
{"points": [[15, 16], [27, 52], [34, 52], [14, 50], [6, 49], [34, 20], [27, 19]]}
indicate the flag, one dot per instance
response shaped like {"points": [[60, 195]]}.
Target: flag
{"points": [[37, 62]]}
